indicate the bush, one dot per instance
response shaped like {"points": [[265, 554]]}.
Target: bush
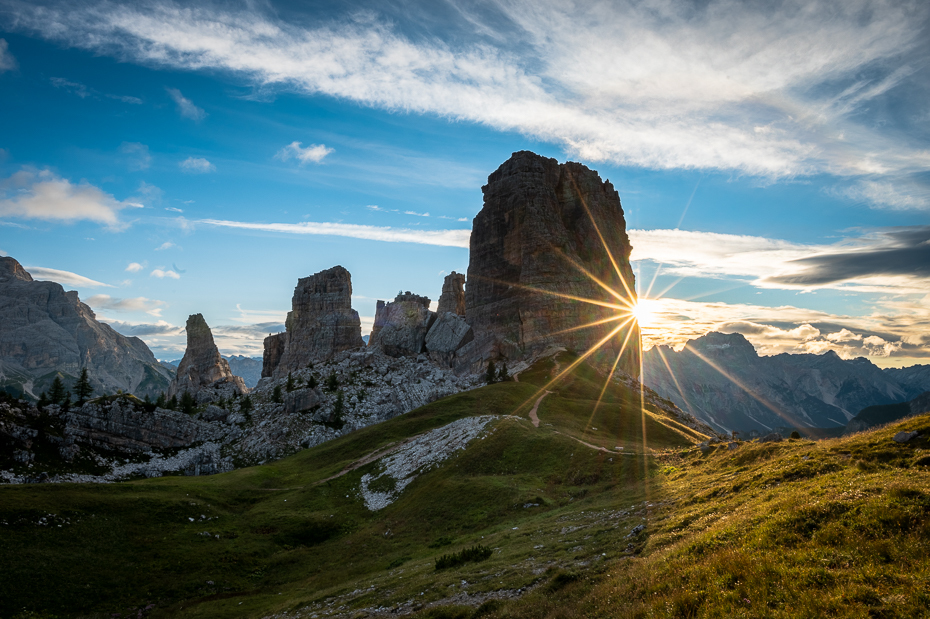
{"points": [[332, 383], [491, 376], [475, 553], [276, 394], [312, 382], [290, 383]]}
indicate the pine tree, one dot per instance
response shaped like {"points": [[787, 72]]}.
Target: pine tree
{"points": [[66, 401], [290, 382], [276, 394], [43, 400], [82, 388], [245, 406], [312, 382], [160, 400], [172, 403], [491, 377], [332, 383], [339, 407], [56, 392], [188, 403], [502, 375]]}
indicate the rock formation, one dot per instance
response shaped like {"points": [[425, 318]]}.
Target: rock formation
{"points": [[45, 330], [320, 324], [401, 326], [203, 368], [452, 298], [446, 337], [541, 224]]}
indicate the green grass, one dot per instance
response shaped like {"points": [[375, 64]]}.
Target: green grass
{"points": [[278, 536], [791, 529]]}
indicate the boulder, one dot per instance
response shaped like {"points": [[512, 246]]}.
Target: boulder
{"points": [[203, 369], [320, 324], [547, 234], [448, 334], [401, 326], [301, 400], [903, 437]]}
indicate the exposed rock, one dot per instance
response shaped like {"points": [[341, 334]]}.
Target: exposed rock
{"points": [[248, 368], [448, 334], [903, 437], [45, 330], [301, 400], [119, 425], [772, 437], [320, 324], [542, 223], [401, 326], [452, 298], [203, 368]]}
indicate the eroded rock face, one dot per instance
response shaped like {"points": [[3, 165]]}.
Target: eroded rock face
{"points": [[447, 336], [401, 326], [540, 222], [320, 324], [44, 330], [203, 368], [452, 298]]}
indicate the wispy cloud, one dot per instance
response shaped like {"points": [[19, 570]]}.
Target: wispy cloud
{"points": [[40, 194], [889, 260], [186, 107], [774, 90], [134, 267], [137, 304], [315, 153], [137, 155], [165, 245], [446, 238], [65, 277], [162, 274], [416, 214], [83, 91], [197, 165], [7, 61]]}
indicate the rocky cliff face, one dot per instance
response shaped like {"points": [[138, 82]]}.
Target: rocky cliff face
{"points": [[720, 379], [320, 324], [203, 369], [452, 298], [540, 222], [45, 330], [401, 326]]}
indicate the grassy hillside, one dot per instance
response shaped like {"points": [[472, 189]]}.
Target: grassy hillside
{"points": [[551, 527], [296, 533]]}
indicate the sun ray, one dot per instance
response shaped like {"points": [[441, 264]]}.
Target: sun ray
{"points": [[591, 324], [675, 380], [592, 277], [610, 375], [558, 294]]}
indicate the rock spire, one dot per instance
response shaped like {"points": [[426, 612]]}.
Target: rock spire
{"points": [[320, 324], [202, 367], [452, 298], [542, 223]]}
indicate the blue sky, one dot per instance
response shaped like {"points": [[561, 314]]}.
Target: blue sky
{"points": [[773, 159]]}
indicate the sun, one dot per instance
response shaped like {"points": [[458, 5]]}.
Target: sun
{"points": [[644, 312]]}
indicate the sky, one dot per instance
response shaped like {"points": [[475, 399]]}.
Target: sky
{"points": [[772, 158]]}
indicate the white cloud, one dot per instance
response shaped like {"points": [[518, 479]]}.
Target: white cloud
{"points": [[844, 335], [315, 153], [7, 62], [75, 88], [165, 245], [137, 155], [780, 264], [173, 209], [248, 316], [197, 165], [137, 304], [40, 194], [445, 238], [186, 107], [64, 277], [897, 194], [416, 214], [134, 267], [161, 274], [774, 90]]}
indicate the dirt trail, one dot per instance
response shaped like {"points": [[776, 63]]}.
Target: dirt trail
{"points": [[533, 416]]}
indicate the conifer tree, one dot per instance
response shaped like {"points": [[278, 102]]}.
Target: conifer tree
{"points": [[332, 383], [66, 401], [172, 403], [160, 400], [290, 382], [503, 375], [312, 382], [491, 377], [276, 394], [56, 392], [82, 388], [188, 403]]}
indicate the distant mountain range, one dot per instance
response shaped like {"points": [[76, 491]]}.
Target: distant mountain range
{"points": [[47, 332], [721, 379]]}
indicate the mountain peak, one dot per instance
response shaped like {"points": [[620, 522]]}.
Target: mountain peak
{"points": [[11, 269]]}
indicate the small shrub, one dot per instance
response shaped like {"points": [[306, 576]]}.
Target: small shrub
{"points": [[332, 383], [312, 382], [475, 553]]}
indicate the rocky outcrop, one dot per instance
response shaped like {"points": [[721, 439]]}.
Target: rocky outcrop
{"points": [[723, 381], [401, 326], [452, 298], [446, 337], [542, 225], [45, 330], [320, 324], [203, 372]]}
